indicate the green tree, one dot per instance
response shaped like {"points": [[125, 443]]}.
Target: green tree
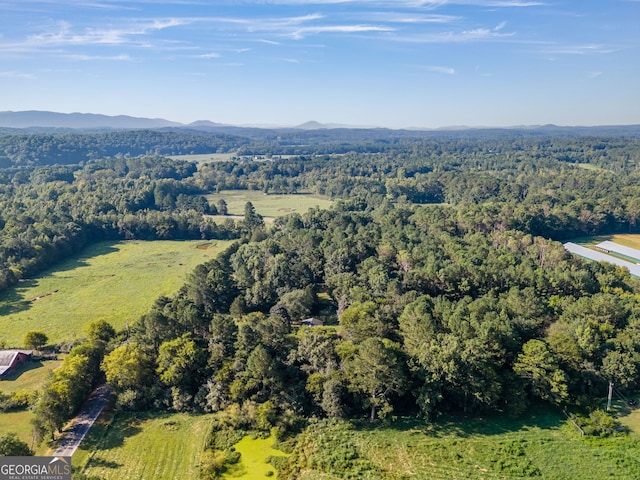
{"points": [[222, 207], [377, 371], [537, 364], [35, 339], [12, 446], [360, 321], [130, 371], [182, 366], [100, 331]]}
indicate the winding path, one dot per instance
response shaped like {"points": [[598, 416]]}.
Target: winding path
{"points": [[89, 413]]}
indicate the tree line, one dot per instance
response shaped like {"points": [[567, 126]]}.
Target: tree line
{"points": [[438, 274]]}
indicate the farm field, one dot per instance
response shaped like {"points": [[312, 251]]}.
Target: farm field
{"points": [[205, 157], [539, 446], [30, 376], [268, 205], [112, 281], [149, 446], [626, 239], [19, 422]]}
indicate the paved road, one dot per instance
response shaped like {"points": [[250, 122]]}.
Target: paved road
{"points": [[84, 420]]}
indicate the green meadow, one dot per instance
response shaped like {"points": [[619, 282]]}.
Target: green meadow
{"points": [[153, 446], [268, 205], [205, 157], [30, 377], [253, 463], [539, 445], [112, 281]]}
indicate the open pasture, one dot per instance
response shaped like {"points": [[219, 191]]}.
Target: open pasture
{"points": [[626, 239], [205, 157], [153, 446], [112, 281], [30, 376], [540, 445], [268, 205]]}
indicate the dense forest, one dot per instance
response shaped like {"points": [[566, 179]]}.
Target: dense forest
{"points": [[438, 273]]}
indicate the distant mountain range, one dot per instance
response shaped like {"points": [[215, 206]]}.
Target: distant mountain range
{"points": [[45, 119], [36, 119]]}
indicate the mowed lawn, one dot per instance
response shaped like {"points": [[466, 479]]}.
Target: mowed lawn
{"points": [[112, 281], [153, 446], [271, 205]]}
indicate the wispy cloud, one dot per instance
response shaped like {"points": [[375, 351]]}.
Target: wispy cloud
{"points": [[590, 49], [27, 76], [472, 35], [63, 34], [87, 58], [311, 30], [411, 3], [410, 17], [438, 69], [594, 74]]}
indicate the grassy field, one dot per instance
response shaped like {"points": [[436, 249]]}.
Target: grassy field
{"points": [[205, 157], [540, 446], [114, 281], [253, 456], [30, 376], [268, 205], [626, 239], [146, 446]]}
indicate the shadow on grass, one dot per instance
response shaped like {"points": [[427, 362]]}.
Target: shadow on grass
{"points": [[16, 299], [110, 431], [102, 463], [22, 368], [541, 417]]}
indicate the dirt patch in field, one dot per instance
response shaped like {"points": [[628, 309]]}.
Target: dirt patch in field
{"points": [[40, 297]]}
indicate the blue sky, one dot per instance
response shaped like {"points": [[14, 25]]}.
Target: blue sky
{"points": [[407, 63]]}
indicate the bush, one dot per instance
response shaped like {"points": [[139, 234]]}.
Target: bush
{"points": [[598, 423]]}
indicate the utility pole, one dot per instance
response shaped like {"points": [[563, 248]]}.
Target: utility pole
{"points": [[610, 395]]}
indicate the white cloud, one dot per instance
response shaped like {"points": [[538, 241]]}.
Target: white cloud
{"points": [[438, 69], [591, 49], [410, 17], [27, 76], [86, 58], [302, 32], [473, 35]]}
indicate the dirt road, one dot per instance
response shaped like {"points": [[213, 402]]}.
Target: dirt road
{"points": [[90, 411]]}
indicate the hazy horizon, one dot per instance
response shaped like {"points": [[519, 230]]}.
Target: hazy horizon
{"points": [[403, 64]]}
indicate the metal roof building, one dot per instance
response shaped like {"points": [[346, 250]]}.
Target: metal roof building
{"points": [[621, 249], [602, 257]]}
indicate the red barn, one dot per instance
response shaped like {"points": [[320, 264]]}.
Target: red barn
{"points": [[9, 359]]}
